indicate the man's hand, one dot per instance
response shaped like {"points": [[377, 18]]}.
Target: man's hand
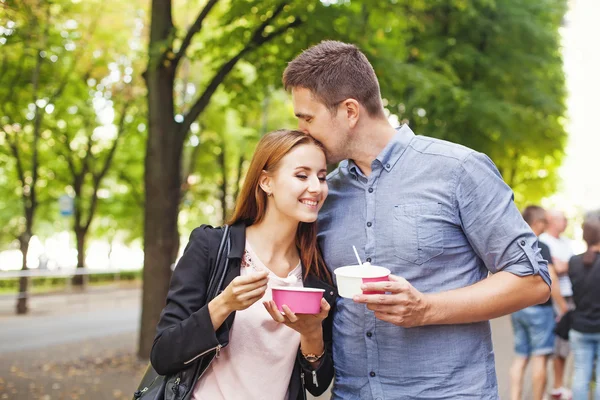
{"points": [[404, 305]]}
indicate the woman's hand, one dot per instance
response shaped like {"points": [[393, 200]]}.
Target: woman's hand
{"points": [[306, 324], [240, 294], [245, 290]]}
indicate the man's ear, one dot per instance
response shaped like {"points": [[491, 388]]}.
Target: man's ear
{"points": [[265, 182], [352, 109]]}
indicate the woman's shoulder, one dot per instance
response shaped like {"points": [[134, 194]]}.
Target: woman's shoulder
{"points": [[205, 235], [210, 236]]}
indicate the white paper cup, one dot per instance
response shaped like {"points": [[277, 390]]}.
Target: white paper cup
{"points": [[351, 277]]}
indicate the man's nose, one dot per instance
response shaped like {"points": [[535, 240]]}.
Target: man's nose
{"points": [[302, 127]]}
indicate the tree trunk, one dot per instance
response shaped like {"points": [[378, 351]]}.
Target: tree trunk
{"points": [[161, 237], [80, 235], [23, 281], [162, 180]]}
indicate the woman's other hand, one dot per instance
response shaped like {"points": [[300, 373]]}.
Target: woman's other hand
{"points": [[305, 324], [308, 325]]}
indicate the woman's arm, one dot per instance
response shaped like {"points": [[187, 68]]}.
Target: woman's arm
{"points": [[185, 329], [318, 376], [315, 338], [187, 326]]}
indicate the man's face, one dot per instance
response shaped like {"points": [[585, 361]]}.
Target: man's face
{"points": [[317, 121], [557, 222]]}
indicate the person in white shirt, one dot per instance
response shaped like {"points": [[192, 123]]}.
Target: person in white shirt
{"points": [[560, 248]]}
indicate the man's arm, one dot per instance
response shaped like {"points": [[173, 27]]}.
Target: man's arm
{"points": [[500, 294], [499, 236]]}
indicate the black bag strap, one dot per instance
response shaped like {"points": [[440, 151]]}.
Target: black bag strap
{"points": [[219, 269]]}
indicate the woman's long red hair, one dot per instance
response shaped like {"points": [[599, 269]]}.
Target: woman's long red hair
{"points": [[251, 204]]}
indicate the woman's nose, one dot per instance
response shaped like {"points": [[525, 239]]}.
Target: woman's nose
{"points": [[314, 185]]}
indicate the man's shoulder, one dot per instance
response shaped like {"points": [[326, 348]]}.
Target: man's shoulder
{"points": [[438, 147]]}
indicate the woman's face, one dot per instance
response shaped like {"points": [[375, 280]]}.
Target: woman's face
{"points": [[298, 186]]}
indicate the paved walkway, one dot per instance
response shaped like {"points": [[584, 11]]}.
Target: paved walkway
{"points": [[82, 346]]}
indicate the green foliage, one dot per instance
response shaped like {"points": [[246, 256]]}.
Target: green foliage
{"points": [[65, 61], [484, 73]]}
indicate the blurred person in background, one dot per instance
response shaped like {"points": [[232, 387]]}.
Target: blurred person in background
{"points": [[533, 327], [584, 336], [560, 248]]}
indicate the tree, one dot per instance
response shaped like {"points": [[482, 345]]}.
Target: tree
{"points": [[28, 67], [486, 74], [53, 52]]}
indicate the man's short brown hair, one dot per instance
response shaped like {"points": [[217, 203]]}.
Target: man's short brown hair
{"points": [[335, 71]]}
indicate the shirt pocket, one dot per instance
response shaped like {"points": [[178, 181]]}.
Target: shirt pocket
{"points": [[418, 232]]}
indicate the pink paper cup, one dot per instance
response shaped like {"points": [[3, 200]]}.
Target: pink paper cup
{"points": [[299, 299], [351, 277]]}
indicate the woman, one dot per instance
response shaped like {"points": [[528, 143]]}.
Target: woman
{"points": [[265, 353], [584, 336]]}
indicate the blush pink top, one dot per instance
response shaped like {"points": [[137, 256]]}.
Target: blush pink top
{"points": [[259, 360]]}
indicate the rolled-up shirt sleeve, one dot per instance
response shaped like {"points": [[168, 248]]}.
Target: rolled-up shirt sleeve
{"points": [[492, 223]]}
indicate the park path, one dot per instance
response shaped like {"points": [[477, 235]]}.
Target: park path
{"points": [[82, 346]]}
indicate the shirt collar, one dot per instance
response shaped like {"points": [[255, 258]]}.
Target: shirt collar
{"points": [[390, 155]]}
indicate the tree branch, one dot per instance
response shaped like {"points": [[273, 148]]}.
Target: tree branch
{"points": [[137, 196], [257, 40], [105, 167], [195, 28]]}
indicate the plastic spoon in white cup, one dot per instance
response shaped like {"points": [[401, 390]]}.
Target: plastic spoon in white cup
{"points": [[357, 257]]}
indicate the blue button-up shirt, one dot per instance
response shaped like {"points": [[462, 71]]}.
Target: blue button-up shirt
{"points": [[439, 215]]}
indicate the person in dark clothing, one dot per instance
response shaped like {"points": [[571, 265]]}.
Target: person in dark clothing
{"points": [[584, 336], [264, 353]]}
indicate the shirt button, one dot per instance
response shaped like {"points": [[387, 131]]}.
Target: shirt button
{"points": [[372, 374], [387, 165], [368, 259], [522, 243], [369, 224], [370, 190], [369, 334]]}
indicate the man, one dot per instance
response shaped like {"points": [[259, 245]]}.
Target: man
{"points": [[437, 214], [533, 326], [560, 247]]}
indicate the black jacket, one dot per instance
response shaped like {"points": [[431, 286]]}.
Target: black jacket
{"points": [[185, 330]]}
